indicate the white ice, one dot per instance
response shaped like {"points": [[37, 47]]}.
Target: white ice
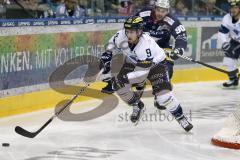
{"points": [[111, 137]]}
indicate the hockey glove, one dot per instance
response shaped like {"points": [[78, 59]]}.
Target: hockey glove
{"points": [[226, 46], [119, 82], [175, 52], [105, 62], [167, 53], [116, 84]]}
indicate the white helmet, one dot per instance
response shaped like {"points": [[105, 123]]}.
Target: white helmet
{"points": [[234, 2], [162, 4]]}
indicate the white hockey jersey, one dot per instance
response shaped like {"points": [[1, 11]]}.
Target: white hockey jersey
{"points": [[146, 48], [229, 30]]}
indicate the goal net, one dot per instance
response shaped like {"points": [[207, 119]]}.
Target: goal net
{"points": [[229, 135]]}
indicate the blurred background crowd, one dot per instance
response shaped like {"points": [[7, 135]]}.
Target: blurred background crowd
{"points": [[14, 9]]}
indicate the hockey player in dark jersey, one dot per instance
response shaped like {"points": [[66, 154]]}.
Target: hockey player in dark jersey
{"points": [[161, 25]]}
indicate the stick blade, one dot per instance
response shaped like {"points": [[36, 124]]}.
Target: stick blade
{"points": [[23, 132]]}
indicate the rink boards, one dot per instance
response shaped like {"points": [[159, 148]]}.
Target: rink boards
{"points": [[38, 100]]}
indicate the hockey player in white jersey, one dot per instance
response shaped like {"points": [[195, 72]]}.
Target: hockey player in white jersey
{"points": [[229, 35], [161, 26], [144, 60]]}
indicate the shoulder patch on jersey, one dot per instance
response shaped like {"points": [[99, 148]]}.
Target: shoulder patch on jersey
{"points": [[145, 13], [169, 20]]}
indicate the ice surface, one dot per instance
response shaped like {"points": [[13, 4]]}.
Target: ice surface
{"points": [[113, 137]]}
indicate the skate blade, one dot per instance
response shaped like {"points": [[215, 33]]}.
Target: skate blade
{"points": [[141, 114], [230, 88]]}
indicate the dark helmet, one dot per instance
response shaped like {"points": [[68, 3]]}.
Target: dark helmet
{"points": [[133, 22], [234, 2]]}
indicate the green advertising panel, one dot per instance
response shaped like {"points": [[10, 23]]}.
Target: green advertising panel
{"points": [[33, 57], [29, 59]]}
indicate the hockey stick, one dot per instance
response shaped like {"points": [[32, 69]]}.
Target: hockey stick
{"points": [[204, 64], [28, 134]]}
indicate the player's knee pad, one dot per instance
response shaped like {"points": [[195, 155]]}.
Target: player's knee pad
{"points": [[167, 100], [159, 78], [230, 63]]}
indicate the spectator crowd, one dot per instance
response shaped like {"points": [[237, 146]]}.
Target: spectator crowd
{"points": [[82, 8]]}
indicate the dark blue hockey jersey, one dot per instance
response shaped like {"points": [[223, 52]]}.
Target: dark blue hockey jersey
{"points": [[162, 30]]}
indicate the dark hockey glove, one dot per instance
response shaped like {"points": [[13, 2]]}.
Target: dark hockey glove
{"points": [[105, 62], [226, 46], [175, 52], [119, 82]]}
